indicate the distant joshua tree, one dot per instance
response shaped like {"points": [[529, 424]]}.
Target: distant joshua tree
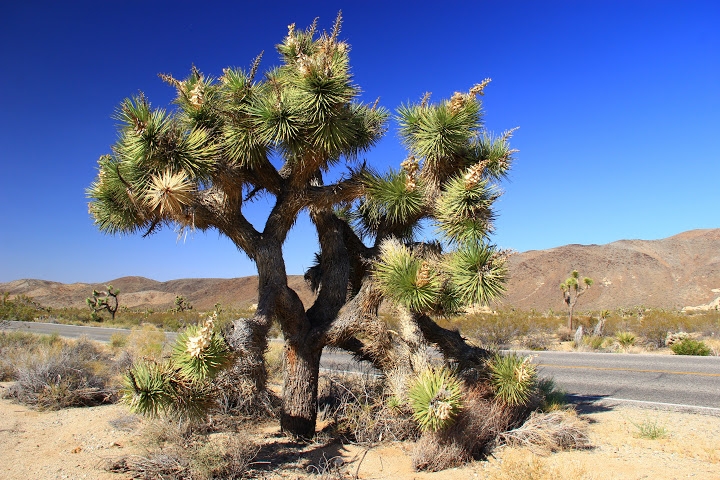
{"points": [[107, 300], [182, 304], [572, 290]]}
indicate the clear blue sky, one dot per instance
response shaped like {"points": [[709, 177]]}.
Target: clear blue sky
{"points": [[618, 104]]}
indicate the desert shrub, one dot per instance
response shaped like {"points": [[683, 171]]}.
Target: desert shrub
{"points": [[432, 454], [689, 346], [475, 432], [513, 378], [118, 340], [564, 334], [146, 342], [536, 341], [16, 346], [654, 325], [67, 375], [436, 398], [222, 456], [705, 323], [22, 308], [490, 329]]}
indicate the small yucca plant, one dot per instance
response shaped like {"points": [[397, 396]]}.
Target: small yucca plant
{"points": [[625, 339], [436, 399], [182, 385], [513, 377], [201, 352]]}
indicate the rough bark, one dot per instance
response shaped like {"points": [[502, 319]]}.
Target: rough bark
{"points": [[300, 388]]}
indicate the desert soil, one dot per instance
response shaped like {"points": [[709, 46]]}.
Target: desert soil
{"points": [[77, 443]]}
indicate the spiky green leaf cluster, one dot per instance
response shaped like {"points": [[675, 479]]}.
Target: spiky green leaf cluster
{"points": [[513, 377], [436, 398], [464, 212], [208, 361], [439, 134], [390, 205], [406, 278], [147, 388], [478, 273], [181, 386]]}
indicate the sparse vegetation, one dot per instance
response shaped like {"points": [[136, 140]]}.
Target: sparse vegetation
{"points": [[650, 429], [625, 339], [175, 451]]}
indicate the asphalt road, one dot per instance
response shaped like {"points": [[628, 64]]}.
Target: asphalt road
{"points": [[663, 381]]}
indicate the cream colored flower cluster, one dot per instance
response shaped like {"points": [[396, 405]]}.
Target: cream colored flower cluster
{"points": [[411, 167], [474, 175], [196, 95], [198, 343]]}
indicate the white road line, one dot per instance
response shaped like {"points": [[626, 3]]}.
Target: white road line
{"points": [[675, 405]]}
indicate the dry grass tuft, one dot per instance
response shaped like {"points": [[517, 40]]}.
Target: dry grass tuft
{"points": [[433, 454], [552, 431]]}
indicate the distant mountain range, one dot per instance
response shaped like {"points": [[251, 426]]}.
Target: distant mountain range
{"points": [[682, 270]]}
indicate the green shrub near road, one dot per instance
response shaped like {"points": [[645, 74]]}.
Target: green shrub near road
{"points": [[689, 346]]}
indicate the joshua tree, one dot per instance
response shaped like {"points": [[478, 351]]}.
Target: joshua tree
{"points": [[572, 290], [107, 300], [181, 304], [286, 136]]}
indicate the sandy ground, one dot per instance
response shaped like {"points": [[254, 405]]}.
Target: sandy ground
{"points": [[77, 443]]}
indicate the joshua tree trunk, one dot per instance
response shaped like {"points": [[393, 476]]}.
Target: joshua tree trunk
{"points": [[300, 388]]}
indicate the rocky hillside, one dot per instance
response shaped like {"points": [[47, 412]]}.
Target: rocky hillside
{"points": [[141, 292], [683, 270]]}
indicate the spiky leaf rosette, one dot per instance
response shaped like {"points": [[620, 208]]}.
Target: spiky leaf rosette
{"points": [[513, 377], [464, 209], [436, 399], [440, 134], [406, 279], [478, 273], [148, 389], [201, 352], [391, 203]]}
